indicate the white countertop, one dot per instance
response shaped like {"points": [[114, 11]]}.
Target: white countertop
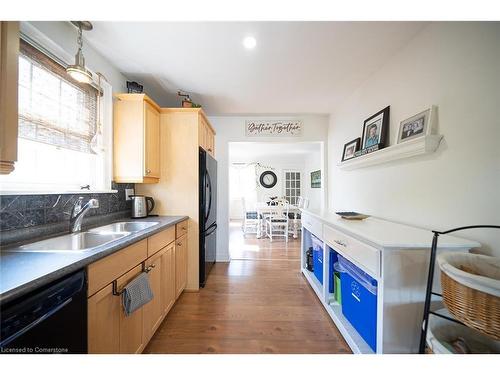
{"points": [[387, 234]]}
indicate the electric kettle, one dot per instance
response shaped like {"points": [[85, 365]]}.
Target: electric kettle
{"points": [[141, 206]]}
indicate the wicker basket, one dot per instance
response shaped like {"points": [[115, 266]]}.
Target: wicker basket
{"points": [[442, 333], [473, 307]]}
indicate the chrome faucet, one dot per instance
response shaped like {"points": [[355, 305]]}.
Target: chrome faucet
{"points": [[78, 212]]}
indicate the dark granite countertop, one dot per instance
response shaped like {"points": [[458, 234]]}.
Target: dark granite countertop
{"points": [[23, 271]]}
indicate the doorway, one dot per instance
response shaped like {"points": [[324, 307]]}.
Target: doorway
{"points": [[264, 174]]}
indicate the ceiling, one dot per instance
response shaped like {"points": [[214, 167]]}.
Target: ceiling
{"points": [[248, 152], [296, 67]]}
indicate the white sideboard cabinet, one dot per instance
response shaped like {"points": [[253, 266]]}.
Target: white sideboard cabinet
{"points": [[395, 255]]}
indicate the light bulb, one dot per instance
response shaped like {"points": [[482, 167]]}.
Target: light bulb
{"points": [[249, 42], [79, 74]]}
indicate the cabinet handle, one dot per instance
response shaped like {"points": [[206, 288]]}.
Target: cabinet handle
{"points": [[148, 171], [148, 269], [183, 228], [179, 243], [338, 242]]}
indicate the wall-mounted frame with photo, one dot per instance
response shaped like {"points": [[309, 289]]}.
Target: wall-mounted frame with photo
{"points": [[417, 126], [376, 129], [350, 148], [316, 179]]}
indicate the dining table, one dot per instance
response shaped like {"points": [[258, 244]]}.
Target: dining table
{"points": [[263, 209]]}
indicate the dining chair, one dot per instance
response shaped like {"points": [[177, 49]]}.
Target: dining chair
{"points": [[276, 223], [297, 216], [250, 218]]}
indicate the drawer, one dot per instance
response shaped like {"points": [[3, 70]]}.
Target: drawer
{"points": [[181, 228], [159, 240], [104, 271], [366, 256], [312, 224]]}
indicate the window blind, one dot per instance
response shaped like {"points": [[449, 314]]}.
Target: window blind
{"points": [[53, 108]]}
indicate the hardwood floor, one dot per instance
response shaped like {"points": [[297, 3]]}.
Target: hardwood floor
{"points": [[257, 303]]}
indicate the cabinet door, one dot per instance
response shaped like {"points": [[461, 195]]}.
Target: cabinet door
{"points": [[152, 141], [211, 143], [168, 278], [104, 322], [9, 49], [180, 265], [131, 327], [153, 311], [202, 133]]}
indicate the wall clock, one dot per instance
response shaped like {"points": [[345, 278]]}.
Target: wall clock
{"points": [[268, 179]]}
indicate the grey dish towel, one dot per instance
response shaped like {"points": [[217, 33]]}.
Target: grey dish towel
{"points": [[136, 293]]}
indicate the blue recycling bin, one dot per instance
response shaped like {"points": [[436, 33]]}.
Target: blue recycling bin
{"points": [[318, 262], [359, 300], [317, 246]]}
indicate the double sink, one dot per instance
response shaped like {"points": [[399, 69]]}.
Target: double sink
{"points": [[88, 240]]}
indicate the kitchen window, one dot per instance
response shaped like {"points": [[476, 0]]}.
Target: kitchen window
{"points": [[292, 186], [64, 129], [242, 182]]}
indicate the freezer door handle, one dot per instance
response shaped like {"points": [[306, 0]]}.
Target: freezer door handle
{"points": [[212, 228]]}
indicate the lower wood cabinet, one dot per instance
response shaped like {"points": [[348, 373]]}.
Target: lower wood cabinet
{"points": [[109, 329], [131, 327], [168, 278], [181, 263], [104, 322], [154, 311]]}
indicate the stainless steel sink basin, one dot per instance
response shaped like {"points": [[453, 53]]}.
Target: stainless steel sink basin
{"points": [[70, 242], [88, 240], [124, 227]]}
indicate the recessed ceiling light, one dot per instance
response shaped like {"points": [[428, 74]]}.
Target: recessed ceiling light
{"points": [[249, 42]]}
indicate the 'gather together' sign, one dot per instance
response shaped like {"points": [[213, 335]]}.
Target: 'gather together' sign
{"points": [[286, 128]]}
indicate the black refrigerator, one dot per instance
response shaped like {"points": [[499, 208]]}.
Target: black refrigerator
{"points": [[208, 213]]}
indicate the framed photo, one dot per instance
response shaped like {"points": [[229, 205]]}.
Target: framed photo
{"points": [[376, 129], [417, 126], [350, 148], [316, 179]]}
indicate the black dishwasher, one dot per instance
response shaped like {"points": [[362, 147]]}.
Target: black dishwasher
{"points": [[52, 319]]}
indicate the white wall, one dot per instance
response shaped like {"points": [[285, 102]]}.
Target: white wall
{"points": [[312, 162], [232, 129], [455, 66]]}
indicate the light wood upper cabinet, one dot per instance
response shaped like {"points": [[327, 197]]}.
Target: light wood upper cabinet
{"points": [[136, 139], [9, 57], [181, 265], [152, 143], [206, 135]]}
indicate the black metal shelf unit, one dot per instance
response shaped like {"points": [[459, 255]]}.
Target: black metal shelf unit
{"points": [[430, 279]]}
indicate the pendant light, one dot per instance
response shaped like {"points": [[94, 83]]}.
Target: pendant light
{"points": [[78, 70]]}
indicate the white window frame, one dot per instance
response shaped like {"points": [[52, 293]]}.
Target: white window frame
{"points": [[104, 168], [285, 171]]}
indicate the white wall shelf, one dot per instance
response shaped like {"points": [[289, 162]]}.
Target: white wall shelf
{"points": [[415, 147]]}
